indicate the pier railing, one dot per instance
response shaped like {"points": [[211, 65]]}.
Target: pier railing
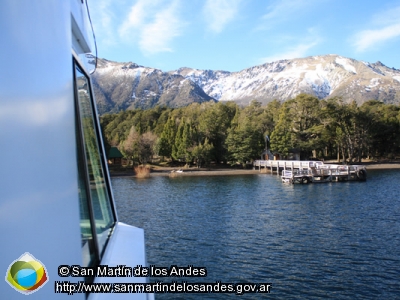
{"points": [[312, 171], [287, 164], [313, 167]]}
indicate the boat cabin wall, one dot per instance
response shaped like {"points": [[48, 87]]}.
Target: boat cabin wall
{"points": [[39, 202]]}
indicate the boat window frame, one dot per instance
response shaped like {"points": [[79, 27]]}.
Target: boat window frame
{"points": [[83, 168], [82, 148]]}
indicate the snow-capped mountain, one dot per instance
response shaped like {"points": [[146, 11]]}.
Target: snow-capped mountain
{"points": [[322, 76], [121, 86]]}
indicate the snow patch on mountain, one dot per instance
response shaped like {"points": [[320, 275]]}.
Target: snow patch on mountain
{"points": [[374, 82], [346, 63]]}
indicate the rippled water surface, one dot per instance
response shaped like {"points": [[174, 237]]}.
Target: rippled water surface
{"points": [[315, 241]]}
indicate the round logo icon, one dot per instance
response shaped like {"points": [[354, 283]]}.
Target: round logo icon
{"points": [[26, 274]]}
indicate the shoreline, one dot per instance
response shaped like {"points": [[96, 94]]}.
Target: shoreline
{"points": [[231, 172], [382, 166]]}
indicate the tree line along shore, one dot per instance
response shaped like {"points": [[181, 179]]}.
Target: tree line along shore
{"points": [[224, 132]]}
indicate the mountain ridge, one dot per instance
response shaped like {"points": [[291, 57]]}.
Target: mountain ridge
{"points": [[121, 86], [322, 76]]}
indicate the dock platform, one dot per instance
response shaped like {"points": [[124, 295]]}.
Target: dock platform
{"points": [[295, 171]]}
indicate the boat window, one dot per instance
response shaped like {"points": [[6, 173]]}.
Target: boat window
{"points": [[89, 256], [100, 202]]}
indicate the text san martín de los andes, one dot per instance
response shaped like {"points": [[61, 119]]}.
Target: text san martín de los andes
{"points": [[126, 271]]}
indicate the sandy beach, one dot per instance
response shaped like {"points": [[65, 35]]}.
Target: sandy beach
{"points": [[378, 166]]}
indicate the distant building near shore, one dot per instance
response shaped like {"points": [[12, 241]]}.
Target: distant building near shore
{"points": [[114, 156]]}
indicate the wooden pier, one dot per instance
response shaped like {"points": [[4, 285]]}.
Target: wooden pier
{"points": [[296, 171]]}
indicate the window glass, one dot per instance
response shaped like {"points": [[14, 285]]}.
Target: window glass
{"points": [[100, 200], [88, 246]]}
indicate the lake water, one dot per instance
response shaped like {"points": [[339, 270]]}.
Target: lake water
{"points": [[315, 241]]}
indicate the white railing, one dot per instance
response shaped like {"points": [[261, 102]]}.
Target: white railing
{"points": [[298, 164], [291, 164], [287, 174], [314, 171]]}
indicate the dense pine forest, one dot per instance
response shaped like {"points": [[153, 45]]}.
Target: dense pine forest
{"points": [[223, 132]]}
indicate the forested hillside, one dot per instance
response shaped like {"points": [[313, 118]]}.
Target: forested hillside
{"points": [[225, 132]]}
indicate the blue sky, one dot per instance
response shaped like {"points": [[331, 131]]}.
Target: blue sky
{"points": [[233, 35]]}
